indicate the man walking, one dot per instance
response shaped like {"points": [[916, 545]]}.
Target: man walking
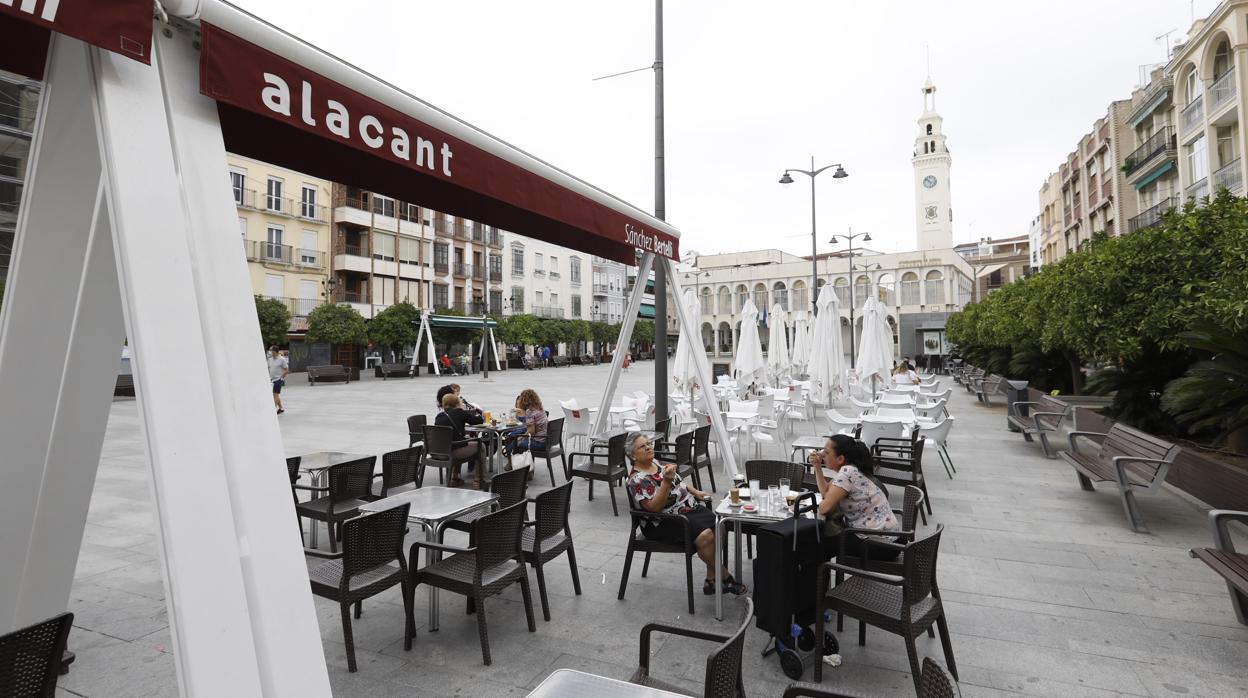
{"points": [[546, 355], [279, 366]]}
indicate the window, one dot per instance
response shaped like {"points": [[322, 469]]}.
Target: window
{"points": [[496, 302], [383, 205], [307, 253], [273, 246], [242, 227], [517, 299], [274, 286], [1198, 160], [554, 300], [934, 290], [383, 247], [929, 129], [273, 196], [575, 271], [441, 256], [1195, 88], [537, 298], [238, 182], [554, 266], [307, 203], [411, 213], [496, 267], [517, 260], [538, 266], [576, 306], [409, 250], [441, 299]]}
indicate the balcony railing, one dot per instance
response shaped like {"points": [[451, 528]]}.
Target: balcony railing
{"points": [[1151, 215], [554, 274], [1193, 114], [461, 230], [356, 250], [274, 253], [1198, 190], [311, 211], [1156, 144], [298, 307], [1222, 91], [601, 289], [443, 226], [250, 198], [310, 258], [477, 272], [539, 272], [350, 297], [461, 269], [496, 276], [494, 239], [576, 279], [1229, 178], [599, 317], [547, 311], [478, 232], [441, 268]]}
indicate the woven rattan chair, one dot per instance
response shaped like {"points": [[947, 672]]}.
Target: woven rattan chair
{"points": [[908, 517], [936, 683], [547, 536], [439, 442], [400, 471], [638, 543], [722, 678], [770, 472], [608, 467], [510, 486], [350, 487], [905, 605], [554, 447], [478, 572], [663, 428], [702, 453], [292, 472], [371, 562], [900, 462], [31, 657], [415, 431]]}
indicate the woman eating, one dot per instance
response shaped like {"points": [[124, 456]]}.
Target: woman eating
{"points": [[656, 487], [853, 492]]}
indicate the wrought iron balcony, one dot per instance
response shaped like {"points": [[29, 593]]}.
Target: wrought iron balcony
{"points": [[1157, 144], [1229, 177], [443, 227], [1152, 215], [1194, 115], [547, 311], [1222, 91], [1199, 190]]}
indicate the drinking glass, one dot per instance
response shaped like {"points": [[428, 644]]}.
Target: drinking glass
{"points": [[756, 493], [784, 487], [773, 499]]}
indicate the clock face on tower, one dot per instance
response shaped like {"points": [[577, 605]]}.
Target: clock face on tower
{"points": [[929, 181]]}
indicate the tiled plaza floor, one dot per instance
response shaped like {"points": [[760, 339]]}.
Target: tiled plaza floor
{"points": [[1047, 590]]}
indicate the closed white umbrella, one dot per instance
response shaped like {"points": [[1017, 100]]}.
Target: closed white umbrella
{"points": [[875, 346], [684, 370], [801, 342], [749, 366], [778, 362], [826, 369]]}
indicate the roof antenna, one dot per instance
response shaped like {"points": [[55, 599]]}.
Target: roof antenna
{"points": [[1166, 37]]}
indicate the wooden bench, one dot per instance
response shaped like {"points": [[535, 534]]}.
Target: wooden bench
{"points": [[1222, 558], [1039, 422], [387, 371], [329, 372], [124, 386], [1127, 457], [985, 388]]}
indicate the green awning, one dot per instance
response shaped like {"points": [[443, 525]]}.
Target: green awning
{"points": [[647, 311], [1155, 174], [458, 322]]}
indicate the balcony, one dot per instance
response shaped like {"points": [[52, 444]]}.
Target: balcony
{"points": [[599, 317], [443, 227], [441, 268], [601, 289], [1193, 115], [461, 230], [355, 250], [311, 211], [576, 279], [350, 297], [495, 239], [273, 253], [547, 311], [1221, 92], [461, 270], [298, 307], [1152, 215], [539, 273], [478, 232], [554, 274], [477, 272], [1198, 190], [496, 276], [1158, 144], [1229, 178]]}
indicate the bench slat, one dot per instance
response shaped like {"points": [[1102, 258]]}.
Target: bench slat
{"points": [[1233, 567]]}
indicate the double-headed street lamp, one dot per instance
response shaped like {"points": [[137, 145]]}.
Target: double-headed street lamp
{"points": [[814, 247], [849, 238]]}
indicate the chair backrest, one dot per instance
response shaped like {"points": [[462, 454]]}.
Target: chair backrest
{"points": [[913, 499], [900, 413], [292, 468], [415, 422], [577, 420], [920, 567], [723, 666], [554, 432], [684, 448], [400, 467], [895, 399], [510, 486], [862, 405], [498, 537], [702, 441], [935, 682], [664, 427], [750, 406], [938, 432], [551, 511], [352, 480], [874, 428], [616, 457], [374, 539], [30, 657], [439, 442], [769, 472], [838, 418]]}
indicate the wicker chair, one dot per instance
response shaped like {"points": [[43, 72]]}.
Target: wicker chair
{"points": [[415, 429], [682, 455], [770, 472], [722, 678], [399, 471], [905, 605], [371, 562], [484, 570], [936, 683], [702, 453], [292, 471], [663, 428], [908, 515], [31, 657], [638, 543], [510, 486], [350, 487], [439, 442], [901, 461], [554, 447], [602, 467], [547, 536]]}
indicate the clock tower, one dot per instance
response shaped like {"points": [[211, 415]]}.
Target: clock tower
{"points": [[933, 213]]}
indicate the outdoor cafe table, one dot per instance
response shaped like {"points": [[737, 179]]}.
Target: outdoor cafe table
{"points": [[569, 683], [725, 513], [494, 434], [432, 508], [317, 465]]}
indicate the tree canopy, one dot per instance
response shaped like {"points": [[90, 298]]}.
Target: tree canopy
{"points": [[274, 318], [396, 326], [336, 324]]}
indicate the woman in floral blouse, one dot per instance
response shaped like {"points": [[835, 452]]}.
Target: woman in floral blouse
{"points": [[657, 488], [853, 492]]}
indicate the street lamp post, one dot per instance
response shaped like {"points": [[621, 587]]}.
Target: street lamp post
{"points": [[850, 237], [814, 251]]}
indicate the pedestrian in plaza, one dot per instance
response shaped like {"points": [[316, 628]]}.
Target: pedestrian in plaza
{"points": [[446, 362], [279, 367], [464, 449], [546, 355]]}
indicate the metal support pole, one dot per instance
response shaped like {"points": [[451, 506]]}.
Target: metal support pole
{"points": [[660, 212], [852, 339], [814, 246]]}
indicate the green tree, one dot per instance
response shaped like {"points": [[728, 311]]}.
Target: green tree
{"points": [[274, 318], [336, 324], [395, 327], [519, 329], [643, 332]]}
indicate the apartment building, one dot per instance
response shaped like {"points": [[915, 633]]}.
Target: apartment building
{"points": [[1052, 221], [1151, 167], [283, 219], [549, 281], [1092, 184], [996, 262], [19, 101], [610, 297]]}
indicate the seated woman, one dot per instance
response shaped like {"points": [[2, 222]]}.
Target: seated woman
{"points": [[658, 488], [532, 435], [905, 375], [464, 450], [853, 492]]}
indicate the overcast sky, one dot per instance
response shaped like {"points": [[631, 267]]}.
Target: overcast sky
{"points": [[754, 87]]}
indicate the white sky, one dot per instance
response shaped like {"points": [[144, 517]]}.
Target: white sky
{"points": [[755, 87]]}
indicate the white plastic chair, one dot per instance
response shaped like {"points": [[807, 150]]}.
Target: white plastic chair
{"points": [[938, 435], [891, 399], [934, 396], [932, 411], [797, 409], [578, 423], [903, 414], [840, 423], [862, 406], [875, 428]]}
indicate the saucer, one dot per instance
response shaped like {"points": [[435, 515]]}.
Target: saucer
{"points": [[749, 508]]}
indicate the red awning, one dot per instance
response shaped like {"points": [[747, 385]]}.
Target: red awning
{"points": [[120, 26]]}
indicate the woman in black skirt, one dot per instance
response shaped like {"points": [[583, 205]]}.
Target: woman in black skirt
{"points": [[656, 487]]}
